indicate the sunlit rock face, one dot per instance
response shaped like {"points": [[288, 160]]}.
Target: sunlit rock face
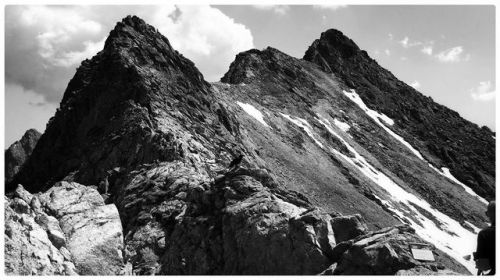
{"points": [[132, 174]]}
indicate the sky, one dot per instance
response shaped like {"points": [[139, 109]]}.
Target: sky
{"points": [[446, 52]]}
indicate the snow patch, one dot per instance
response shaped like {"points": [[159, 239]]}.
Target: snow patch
{"points": [[446, 172], [342, 125], [377, 117], [252, 111], [442, 231], [476, 229], [305, 125], [372, 113], [356, 99]]}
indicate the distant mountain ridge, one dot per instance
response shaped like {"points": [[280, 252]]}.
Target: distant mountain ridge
{"points": [[17, 153], [332, 159]]}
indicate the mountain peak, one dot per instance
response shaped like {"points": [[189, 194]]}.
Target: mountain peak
{"points": [[331, 50], [337, 39], [133, 28], [128, 87], [254, 63]]}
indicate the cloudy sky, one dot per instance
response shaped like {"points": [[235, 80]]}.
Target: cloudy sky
{"points": [[446, 52]]}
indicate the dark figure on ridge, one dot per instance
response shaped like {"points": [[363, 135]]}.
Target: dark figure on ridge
{"points": [[485, 253], [235, 163]]}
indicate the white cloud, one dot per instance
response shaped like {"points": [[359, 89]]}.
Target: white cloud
{"points": [[415, 84], [329, 7], [387, 52], [277, 9], [407, 43], [197, 33], [483, 92], [69, 58], [455, 54], [58, 28], [391, 37], [404, 58], [45, 44], [427, 50]]}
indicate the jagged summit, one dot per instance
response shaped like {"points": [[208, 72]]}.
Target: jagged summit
{"points": [[334, 41], [134, 82], [246, 63], [133, 26]]}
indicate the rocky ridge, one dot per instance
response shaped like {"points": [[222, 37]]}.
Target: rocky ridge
{"points": [[139, 126]]}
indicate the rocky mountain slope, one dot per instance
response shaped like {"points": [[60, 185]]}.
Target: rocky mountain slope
{"points": [[328, 178], [440, 134], [18, 153]]}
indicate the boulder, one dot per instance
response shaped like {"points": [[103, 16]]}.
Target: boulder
{"points": [[95, 240], [348, 227], [292, 239], [28, 249], [69, 198], [67, 230], [51, 225], [23, 194], [387, 252]]}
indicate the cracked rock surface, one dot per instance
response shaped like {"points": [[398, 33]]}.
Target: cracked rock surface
{"points": [[65, 231]]}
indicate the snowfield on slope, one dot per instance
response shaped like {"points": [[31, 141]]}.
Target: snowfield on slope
{"points": [[253, 112], [304, 125], [441, 230], [342, 125], [375, 116]]}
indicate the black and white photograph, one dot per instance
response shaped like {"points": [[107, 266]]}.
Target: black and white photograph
{"points": [[205, 138]]}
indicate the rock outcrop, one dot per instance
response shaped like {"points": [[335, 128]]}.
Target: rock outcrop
{"points": [[65, 231], [387, 252], [185, 224], [17, 154]]}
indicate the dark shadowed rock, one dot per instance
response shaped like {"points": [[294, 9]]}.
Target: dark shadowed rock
{"points": [[17, 154], [119, 110], [348, 227]]}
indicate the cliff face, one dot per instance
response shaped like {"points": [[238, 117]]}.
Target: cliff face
{"points": [[327, 177], [17, 154]]}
